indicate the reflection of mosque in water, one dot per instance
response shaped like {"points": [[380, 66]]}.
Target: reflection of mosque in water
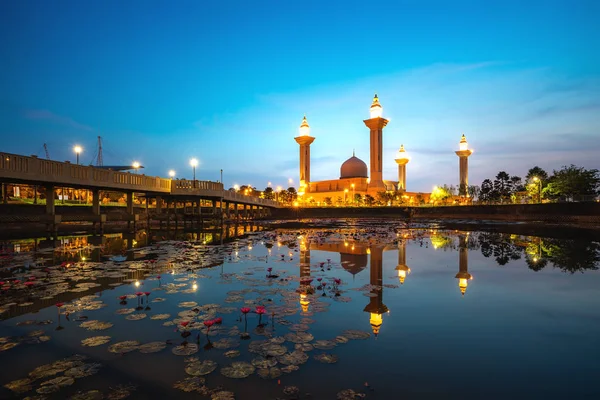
{"points": [[354, 258]]}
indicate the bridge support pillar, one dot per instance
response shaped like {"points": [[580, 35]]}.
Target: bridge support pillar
{"points": [[50, 208], [246, 212], [158, 204], [4, 193], [130, 214], [236, 214], [214, 208], [227, 210]]}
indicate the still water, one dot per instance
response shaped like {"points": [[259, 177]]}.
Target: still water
{"points": [[377, 311]]}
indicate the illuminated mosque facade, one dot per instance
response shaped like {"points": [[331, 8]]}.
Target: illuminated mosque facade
{"points": [[358, 178]]}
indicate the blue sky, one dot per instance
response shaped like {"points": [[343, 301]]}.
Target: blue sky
{"points": [[228, 83]]}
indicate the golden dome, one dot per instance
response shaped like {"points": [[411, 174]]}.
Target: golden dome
{"points": [[354, 167]]}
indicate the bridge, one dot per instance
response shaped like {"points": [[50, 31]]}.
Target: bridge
{"points": [[50, 175]]}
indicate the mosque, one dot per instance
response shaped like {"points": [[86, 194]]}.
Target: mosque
{"points": [[356, 177]]}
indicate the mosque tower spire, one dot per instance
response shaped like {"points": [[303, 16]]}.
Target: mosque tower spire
{"points": [[402, 159], [304, 140], [376, 124], [376, 308], [463, 154]]}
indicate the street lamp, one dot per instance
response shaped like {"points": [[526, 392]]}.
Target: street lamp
{"points": [[539, 181], [172, 174], [194, 163], [136, 166], [77, 149]]}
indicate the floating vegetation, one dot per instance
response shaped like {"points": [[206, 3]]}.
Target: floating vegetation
{"points": [[54, 385], [125, 311], [222, 395], [152, 347], [90, 395], [326, 358], [232, 353], [20, 385], [199, 368], [190, 384], [95, 341], [293, 358], [185, 349], [94, 325], [269, 373], [124, 347], [263, 362], [324, 344], [299, 337], [356, 335], [349, 394], [291, 390], [225, 343], [160, 316], [135, 317], [238, 370], [84, 370]]}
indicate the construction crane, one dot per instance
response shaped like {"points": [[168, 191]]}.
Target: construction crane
{"points": [[46, 150], [99, 161]]}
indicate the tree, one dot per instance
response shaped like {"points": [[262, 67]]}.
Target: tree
{"points": [[486, 193], [536, 172], [292, 194], [269, 194], [572, 181], [369, 200], [358, 199], [327, 201], [473, 192], [503, 185], [440, 194], [385, 198]]}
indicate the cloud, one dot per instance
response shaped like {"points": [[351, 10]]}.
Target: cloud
{"points": [[49, 116]]}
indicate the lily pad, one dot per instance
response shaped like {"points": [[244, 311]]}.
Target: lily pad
{"points": [[299, 337], [190, 384], [293, 358], [95, 341], [54, 385], [199, 368], [136, 317], [124, 347], [152, 347], [90, 395], [20, 385], [326, 358], [324, 344], [262, 362], [232, 353], [238, 370], [83, 370], [94, 325], [354, 334], [160, 316], [225, 343], [222, 395], [185, 350], [269, 373]]}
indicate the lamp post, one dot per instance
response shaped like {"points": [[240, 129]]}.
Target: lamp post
{"points": [[136, 166], [539, 182], [353, 195], [172, 174], [194, 163], [77, 149], [345, 194]]}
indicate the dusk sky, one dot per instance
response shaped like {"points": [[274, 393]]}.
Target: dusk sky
{"points": [[228, 82]]}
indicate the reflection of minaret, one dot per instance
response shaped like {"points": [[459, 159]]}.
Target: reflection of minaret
{"points": [[402, 268], [304, 140], [304, 272], [376, 124], [463, 275], [376, 306]]}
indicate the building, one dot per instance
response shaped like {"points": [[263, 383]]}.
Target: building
{"points": [[356, 178]]}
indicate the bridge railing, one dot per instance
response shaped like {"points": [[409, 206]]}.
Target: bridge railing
{"points": [[35, 170]]}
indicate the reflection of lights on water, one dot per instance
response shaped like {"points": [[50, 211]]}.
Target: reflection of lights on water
{"points": [[249, 247], [346, 244], [535, 259], [236, 253], [278, 244], [137, 283], [195, 286], [83, 258], [172, 272]]}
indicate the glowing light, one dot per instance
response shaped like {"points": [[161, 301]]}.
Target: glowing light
{"points": [[463, 145], [194, 162], [376, 320], [172, 174], [304, 128], [83, 258], [295, 204], [77, 149], [376, 110], [290, 181], [304, 302], [462, 284], [195, 286], [236, 187], [368, 250], [137, 283], [135, 165]]}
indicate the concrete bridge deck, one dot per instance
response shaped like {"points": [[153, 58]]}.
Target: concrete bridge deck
{"points": [[50, 174]]}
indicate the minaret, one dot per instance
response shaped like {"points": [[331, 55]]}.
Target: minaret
{"points": [[304, 140], [402, 268], [463, 275], [376, 124], [376, 307], [463, 163], [402, 159]]}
